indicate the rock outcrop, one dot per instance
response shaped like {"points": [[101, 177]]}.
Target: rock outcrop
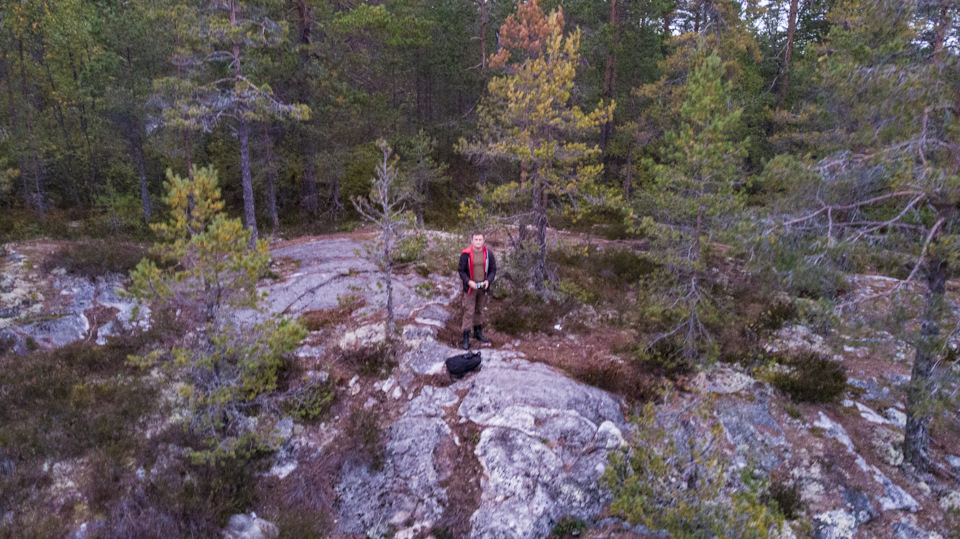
{"points": [[541, 440]]}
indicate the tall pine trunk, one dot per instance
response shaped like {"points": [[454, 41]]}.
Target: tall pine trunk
{"points": [[136, 143], [916, 443], [246, 179], [307, 144], [61, 120], [135, 126], [540, 215], [483, 34], [943, 22], [7, 69], [271, 177], [791, 29], [249, 214], [38, 203], [93, 162], [610, 74]]}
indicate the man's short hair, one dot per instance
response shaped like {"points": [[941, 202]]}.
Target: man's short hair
{"points": [[475, 234]]}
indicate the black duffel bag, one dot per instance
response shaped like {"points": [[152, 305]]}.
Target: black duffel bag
{"points": [[460, 365]]}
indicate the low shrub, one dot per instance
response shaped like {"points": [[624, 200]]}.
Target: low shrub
{"points": [[666, 357], [322, 318], [303, 525], [184, 499], [812, 378], [779, 312], [79, 401], [94, 258], [820, 315], [589, 274], [60, 403], [524, 312], [410, 249], [311, 398], [568, 526], [674, 477], [630, 379], [816, 282], [370, 360], [363, 431], [786, 495]]}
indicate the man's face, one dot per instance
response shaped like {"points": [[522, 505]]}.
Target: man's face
{"points": [[477, 242]]}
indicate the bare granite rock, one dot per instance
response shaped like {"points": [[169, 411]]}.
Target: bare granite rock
{"points": [[750, 428], [836, 524], [543, 447], [250, 527], [407, 486]]}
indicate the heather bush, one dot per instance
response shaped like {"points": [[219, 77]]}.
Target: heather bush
{"points": [[684, 484], [812, 378]]}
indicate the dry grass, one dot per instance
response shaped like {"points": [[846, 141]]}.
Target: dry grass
{"points": [[464, 472], [323, 318], [94, 258]]}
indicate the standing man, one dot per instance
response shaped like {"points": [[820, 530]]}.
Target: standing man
{"points": [[477, 270]]}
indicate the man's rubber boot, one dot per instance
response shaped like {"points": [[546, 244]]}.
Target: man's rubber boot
{"points": [[478, 334], [466, 339]]}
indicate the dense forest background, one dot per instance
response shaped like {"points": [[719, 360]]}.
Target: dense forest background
{"points": [[719, 167], [100, 98]]}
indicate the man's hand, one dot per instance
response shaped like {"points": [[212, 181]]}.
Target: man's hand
{"points": [[472, 284], [486, 284]]}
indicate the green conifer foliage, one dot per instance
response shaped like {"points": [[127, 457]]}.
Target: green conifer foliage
{"points": [[527, 117], [216, 78], [228, 368], [694, 196]]}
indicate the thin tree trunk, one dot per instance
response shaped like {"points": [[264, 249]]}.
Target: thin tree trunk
{"points": [[916, 443], [540, 214], [943, 22], [388, 265], [136, 144], [336, 206], [93, 166], [696, 239], [136, 141], [628, 178], [271, 177], [15, 124], [186, 152], [246, 178], [67, 139], [310, 196], [610, 74], [483, 35], [791, 29], [307, 144], [39, 203]]}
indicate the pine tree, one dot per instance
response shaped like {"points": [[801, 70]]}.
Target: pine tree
{"points": [[234, 34], [229, 368], [384, 209], [891, 165], [425, 172], [695, 193], [527, 117]]}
